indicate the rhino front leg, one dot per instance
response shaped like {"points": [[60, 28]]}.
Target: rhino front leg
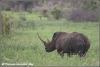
{"points": [[60, 52]]}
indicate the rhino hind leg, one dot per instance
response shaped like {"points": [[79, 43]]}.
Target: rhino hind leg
{"points": [[81, 54], [84, 54]]}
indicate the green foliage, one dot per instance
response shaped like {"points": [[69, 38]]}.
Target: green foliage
{"points": [[19, 24], [6, 23], [31, 24], [29, 11], [22, 17], [56, 13], [7, 8], [90, 5], [44, 12]]}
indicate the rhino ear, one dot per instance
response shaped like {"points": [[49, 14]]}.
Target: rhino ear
{"points": [[55, 35]]}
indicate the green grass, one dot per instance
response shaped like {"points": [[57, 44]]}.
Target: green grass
{"points": [[24, 46], [33, 16]]}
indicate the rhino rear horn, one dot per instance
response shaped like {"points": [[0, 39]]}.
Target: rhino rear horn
{"points": [[48, 40]]}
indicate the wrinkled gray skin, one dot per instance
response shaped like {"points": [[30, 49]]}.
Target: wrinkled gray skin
{"points": [[70, 43]]}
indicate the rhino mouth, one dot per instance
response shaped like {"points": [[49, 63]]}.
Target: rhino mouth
{"points": [[48, 50]]}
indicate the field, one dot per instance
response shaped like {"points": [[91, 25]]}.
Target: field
{"points": [[24, 46]]}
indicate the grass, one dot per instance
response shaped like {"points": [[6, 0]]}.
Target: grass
{"points": [[23, 45], [33, 16]]}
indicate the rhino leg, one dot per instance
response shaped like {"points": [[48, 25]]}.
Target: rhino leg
{"points": [[68, 54], [60, 52], [80, 49], [81, 55]]}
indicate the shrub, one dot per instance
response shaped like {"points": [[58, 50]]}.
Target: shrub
{"points": [[22, 17], [29, 11], [24, 24], [6, 23], [56, 13], [44, 12], [90, 5], [83, 15], [31, 24], [7, 8]]}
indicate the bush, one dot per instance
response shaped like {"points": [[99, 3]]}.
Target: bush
{"points": [[90, 5], [29, 11], [31, 24], [22, 17], [84, 15], [56, 13], [44, 12], [7, 8], [6, 23], [19, 24]]}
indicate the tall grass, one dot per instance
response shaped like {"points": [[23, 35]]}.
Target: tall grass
{"points": [[24, 46]]}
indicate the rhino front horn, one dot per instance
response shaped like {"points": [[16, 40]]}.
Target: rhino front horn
{"points": [[41, 39]]}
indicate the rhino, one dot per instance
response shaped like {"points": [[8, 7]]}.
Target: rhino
{"points": [[69, 43]]}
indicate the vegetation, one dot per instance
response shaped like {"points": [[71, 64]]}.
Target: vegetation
{"points": [[22, 20], [56, 13], [44, 12], [24, 46], [6, 23], [76, 10], [90, 5]]}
